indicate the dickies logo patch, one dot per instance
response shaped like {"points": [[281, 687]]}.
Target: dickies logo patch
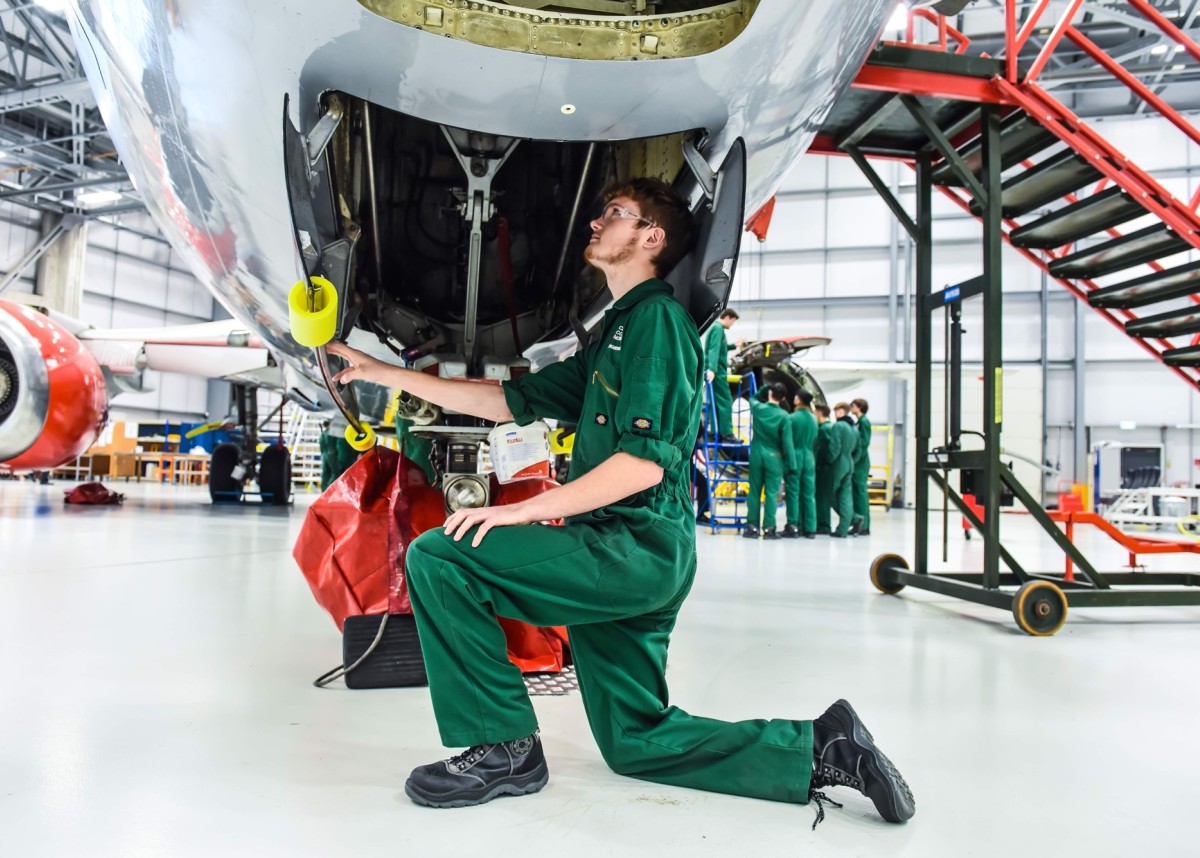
{"points": [[601, 419], [643, 423]]}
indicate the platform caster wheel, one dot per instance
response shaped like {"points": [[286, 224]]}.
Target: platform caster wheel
{"points": [[313, 321], [362, 442], [1040, 608], [883, 571]]}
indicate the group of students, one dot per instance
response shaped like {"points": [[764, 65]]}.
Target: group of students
{"points": [[823, 466]]}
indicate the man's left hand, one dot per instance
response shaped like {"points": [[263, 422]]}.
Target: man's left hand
{"points": [[486, 517]]}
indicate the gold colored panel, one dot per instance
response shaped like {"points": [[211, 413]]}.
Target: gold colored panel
{"points": [[509, 34], [591, 37]]}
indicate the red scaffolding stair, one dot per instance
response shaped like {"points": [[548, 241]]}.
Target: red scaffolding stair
{"points": [[1066, 189]]}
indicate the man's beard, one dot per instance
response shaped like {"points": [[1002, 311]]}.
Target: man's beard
{"points": [[616, 257]]}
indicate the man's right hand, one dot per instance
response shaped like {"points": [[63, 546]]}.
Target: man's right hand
{"points": [[710, 374], [359, 365]]}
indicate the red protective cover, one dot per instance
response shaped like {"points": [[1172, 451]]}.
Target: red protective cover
{"points": [[92, 493], [352, 545]]}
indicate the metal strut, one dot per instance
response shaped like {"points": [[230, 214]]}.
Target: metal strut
{"points": [[477, 210]]}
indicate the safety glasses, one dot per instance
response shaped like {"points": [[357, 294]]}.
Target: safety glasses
{"points": [[621, 213]]}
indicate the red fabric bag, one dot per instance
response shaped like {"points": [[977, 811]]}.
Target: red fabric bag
{"points": [[352, 545], [92, 493]]}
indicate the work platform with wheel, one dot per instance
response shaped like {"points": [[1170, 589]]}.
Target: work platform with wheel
{"points": [[726, 467], [961, 121]]}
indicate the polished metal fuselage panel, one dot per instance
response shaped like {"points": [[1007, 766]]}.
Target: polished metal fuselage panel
{"points": [[193, 93]]}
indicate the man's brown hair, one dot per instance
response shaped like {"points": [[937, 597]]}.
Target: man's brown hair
{"points": [[860, 404], [660, 205], [821, 408], [844, 406], [729, 313]]}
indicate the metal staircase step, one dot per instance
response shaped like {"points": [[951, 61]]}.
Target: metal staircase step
{"points": [[1050, 180], [1175, 282], [1186, 356], [1094, 214], [1144, 245], [1020, 138], [1171, 324]]}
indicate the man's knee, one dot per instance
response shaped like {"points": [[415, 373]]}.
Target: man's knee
{"points": [[425, 557]]}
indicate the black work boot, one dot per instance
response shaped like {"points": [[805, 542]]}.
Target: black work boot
{"points": [[790, 531], [844, 754], [770, 533], [481, 773], [856, 525], [751, 532]]}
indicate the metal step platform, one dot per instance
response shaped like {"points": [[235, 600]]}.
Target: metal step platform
{"points": [[1144, 245], [1020, 138], [1045, 183], [1178, 282], [1186, 356], [1089, 216], [1172, 324]]}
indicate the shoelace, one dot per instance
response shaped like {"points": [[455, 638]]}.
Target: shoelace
{"points": [[820, 800], [470, 756]]}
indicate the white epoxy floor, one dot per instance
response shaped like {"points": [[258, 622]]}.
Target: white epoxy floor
{"points": [[157, 702]]}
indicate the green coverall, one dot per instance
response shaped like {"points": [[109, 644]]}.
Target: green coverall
{"points": [[716, 359], [801, 481], [827, 451], [615, 576], [336, 456], [862, 472], [771, 454], [843, 475]]}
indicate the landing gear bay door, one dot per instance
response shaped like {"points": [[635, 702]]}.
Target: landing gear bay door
{"points": [[703, 278]]}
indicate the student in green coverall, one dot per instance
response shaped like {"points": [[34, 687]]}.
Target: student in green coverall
{"points": [[618, 571], [336, 455], [800, 482], [716, 370], [862, 466], [771, 455], [826, 451], [843, 471]]}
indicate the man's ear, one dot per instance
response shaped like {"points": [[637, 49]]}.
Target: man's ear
{"points": [[656, 237]]}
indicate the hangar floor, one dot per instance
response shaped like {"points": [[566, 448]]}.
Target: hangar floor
{"points": [[158, 703]]}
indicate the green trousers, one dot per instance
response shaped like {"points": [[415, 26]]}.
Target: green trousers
{"points": [[766, 476], [800, 485], [723, 402], [617, 582], [824, 498], [862, 503], [843, 500]]}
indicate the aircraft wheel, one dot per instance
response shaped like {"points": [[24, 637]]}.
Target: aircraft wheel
{"points": [[363, 442], [313, 327], [223, 486], [883, 571], [1040, 608], [275, 475]]}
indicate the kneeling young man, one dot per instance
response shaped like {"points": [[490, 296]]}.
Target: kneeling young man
{"points": [[616, 574]]}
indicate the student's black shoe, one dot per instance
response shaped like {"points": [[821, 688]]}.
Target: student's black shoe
{"points": [[844, 754], [824, 533], [836, 535], [810, 535], [751, 532], [864, 533], [770, 533], [791, 532], [703, 518], [480, 774], [730, 439], [856, 525]]}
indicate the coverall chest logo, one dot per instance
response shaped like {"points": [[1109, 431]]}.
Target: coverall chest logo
{"points": [[617, 337]]}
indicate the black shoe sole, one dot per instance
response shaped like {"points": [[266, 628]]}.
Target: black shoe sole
{"points": [[530, 783], [895, 802]]}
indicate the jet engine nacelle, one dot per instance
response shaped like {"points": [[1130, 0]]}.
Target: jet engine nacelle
{"points": [[53, 402]]}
